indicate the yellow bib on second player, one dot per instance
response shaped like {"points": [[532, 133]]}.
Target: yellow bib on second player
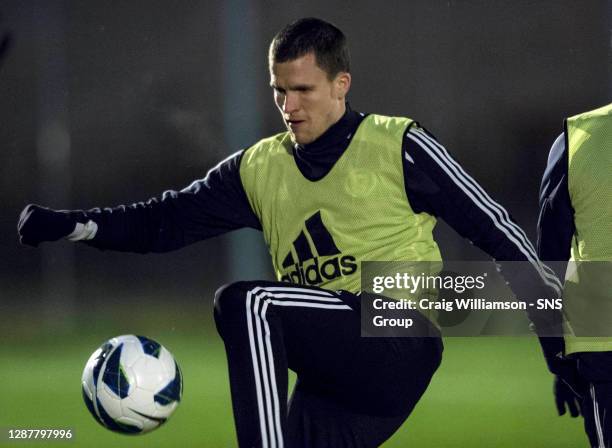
{"points": [[588, 283], [318, 232]]}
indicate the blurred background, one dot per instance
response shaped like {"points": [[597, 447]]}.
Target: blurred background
{"points": [[107, 103]]}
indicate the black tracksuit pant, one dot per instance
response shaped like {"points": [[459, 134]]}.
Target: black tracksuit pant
{"points": [[351, 391]]}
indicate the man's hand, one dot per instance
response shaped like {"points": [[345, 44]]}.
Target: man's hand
{"points": [[566, 395], [38, 224], [567, 388]]}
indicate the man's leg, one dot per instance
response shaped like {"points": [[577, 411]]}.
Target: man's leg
{"points": [[368, 384], [596, 370], [317, 421], [383, 382], [252, 319]]}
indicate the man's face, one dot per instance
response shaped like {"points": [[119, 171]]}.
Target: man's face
{"points": [[307, 99]]}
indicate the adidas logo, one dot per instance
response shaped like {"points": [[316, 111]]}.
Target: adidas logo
{"points": [[309, 262]]}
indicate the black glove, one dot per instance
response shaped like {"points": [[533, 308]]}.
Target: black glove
{"points": [[38, 224], [567, 386], [567, 395]]}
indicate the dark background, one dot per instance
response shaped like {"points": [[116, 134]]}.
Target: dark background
{"points": [[103, 103], [109, 102]]}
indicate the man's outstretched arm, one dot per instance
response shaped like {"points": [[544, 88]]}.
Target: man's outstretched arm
{"points": [[208, 207], [437, 184]]}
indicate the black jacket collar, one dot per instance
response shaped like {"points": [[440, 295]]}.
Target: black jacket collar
{"points": [[316, 159]]}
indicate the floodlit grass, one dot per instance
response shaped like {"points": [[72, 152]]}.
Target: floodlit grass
{"points": [[489, 392]]}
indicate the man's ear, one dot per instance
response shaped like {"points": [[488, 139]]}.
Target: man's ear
{"points": [[343, 84]]}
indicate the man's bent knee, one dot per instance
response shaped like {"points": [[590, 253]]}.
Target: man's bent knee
{"points": [[230, 298], [230, 304]]}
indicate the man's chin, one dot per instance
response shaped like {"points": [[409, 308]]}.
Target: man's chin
{"points": [[300, 139], [295, 139]]}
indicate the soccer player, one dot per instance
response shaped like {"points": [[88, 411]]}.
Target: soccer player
{"points": [[576, 224], [337, 187]]}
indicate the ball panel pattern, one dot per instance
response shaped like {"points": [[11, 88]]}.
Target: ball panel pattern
{"points": [[149, 346], [131, 384], [173, 391], [114, 375]]}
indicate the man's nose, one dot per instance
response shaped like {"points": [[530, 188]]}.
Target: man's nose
{"points": [[291, 103]]}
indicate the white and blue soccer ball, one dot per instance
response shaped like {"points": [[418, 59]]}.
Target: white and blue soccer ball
{"points": [[132, 384]]}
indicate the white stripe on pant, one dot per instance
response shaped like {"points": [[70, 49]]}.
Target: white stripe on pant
{"points": [[597, 418], [262, 354]]}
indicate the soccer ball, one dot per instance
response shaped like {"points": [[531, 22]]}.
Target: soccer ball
{"points": [[131, 384]]}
